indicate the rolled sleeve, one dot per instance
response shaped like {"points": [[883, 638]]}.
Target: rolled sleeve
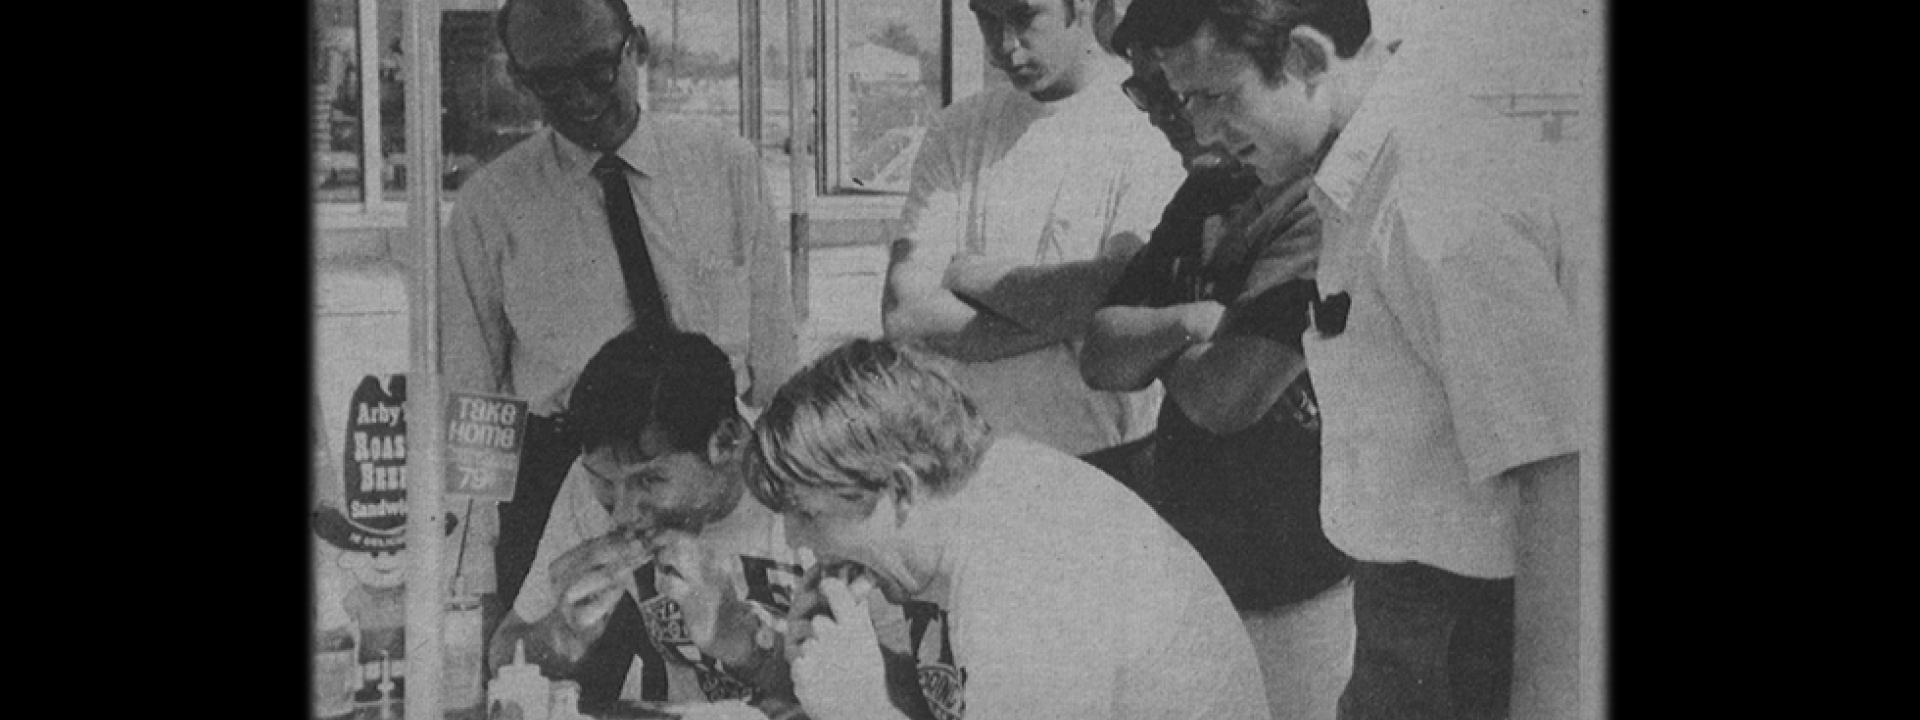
{"points": [[1144, 195], [1285, 242], [1487, 313]]}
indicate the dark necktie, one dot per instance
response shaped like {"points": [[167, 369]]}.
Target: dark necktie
{"points": [[643, 288]]}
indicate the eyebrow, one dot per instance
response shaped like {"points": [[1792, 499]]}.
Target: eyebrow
{"points": [[641, 463], [1012, 9], [596, 56]]}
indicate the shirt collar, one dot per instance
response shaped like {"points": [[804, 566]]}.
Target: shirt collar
{"points": [[1345, 167], [641, 150]]}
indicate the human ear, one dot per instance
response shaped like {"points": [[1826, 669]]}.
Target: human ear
{"points": [[727, 442], [904, 483], [640, 47], [1309, 55]]}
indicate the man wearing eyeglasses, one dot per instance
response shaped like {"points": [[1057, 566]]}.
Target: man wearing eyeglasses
{"points": [[1451, 386], [1025, 202], [606, 219], [1214, 307], [654, 549]]}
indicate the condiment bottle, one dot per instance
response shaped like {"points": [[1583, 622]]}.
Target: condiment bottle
{"points": [[521, 684]]}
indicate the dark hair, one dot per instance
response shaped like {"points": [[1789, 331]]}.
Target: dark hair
{"points": [[621, 15], [679, 382], [856, 414], [1257, 27]]}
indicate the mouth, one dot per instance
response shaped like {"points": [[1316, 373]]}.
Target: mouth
{"points": [[580, 118], [809, 603]]}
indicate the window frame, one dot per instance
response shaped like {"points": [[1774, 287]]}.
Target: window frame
{"points": [[961, 53], [832, 173], [962, 62]]}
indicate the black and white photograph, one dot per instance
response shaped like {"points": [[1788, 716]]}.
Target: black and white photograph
{"points": [[958, 359]]}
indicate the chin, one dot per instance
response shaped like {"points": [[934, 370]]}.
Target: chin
{"points": [[593, 138], [1029, 82]]}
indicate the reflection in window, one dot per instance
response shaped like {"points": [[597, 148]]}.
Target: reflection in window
{"points": [[483, 112], [890, 82], [393, 102], [776, 131], [336, 102], [693, 72], [885, 56]]}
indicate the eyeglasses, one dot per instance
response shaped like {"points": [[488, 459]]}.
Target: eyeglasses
{"points": [[595, 74], [1150, 96]]}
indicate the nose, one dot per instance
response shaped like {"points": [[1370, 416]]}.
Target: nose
{"points": [[1207, 130], [1003, 44], [628, 511]]}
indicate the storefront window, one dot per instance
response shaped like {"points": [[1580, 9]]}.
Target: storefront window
{"points": [[693, 73], [335, 82], [887, 60], [482, 112], [393, 102], [889, 80]]}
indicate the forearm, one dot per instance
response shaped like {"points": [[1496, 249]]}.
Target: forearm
{"points": [[1547, 588], [1227, 385], [944, 324], [918, 305], [1057, 300], [983, 338], [1127, 346]]}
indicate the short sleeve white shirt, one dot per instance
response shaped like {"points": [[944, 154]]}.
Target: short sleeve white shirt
{"points": [[1073, 600], [1458, 235], [530, 282], [1007, 176]]}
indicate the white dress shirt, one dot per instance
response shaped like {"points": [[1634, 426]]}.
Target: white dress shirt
{"points": [[1457, 234], [530, 283]]}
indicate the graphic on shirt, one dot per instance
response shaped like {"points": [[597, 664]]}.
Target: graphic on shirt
{"points": [[942, 681], [769, 584]]}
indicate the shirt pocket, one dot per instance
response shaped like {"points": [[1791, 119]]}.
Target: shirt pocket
{"points": [[720, 294]]}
